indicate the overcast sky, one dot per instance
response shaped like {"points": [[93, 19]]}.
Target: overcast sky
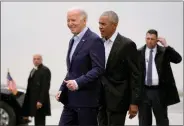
{"points": [[40, 27]]}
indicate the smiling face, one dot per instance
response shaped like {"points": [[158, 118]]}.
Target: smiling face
{"points": [[75, 21]]}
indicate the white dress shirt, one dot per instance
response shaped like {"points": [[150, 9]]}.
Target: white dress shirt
{"points": [[108, 45], [35, 67], [155, 78], [77, 39]]}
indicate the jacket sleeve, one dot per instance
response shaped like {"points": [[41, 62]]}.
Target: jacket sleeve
{"points": [[97, 55], [134, 73], [172, 55]]}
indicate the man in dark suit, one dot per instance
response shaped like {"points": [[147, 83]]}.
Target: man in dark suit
{"points": [[159, 89], [121, 85], [80, 90], [37, 101]]}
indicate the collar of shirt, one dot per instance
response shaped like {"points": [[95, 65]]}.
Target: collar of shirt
{"points": [[35, 67], [154, 49], [80, 35], [113, 37]]}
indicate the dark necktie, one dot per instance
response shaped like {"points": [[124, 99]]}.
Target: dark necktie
{"points": [[71, 44], [149, 72], [69, 50]]}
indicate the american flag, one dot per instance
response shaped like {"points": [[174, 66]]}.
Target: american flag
{"points": [[11, 84]]}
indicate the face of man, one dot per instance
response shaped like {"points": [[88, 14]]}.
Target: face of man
{"points": [[106, 27], [37, 60], [151, 40], [75, 21]]}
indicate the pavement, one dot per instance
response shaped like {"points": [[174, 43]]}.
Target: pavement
{"points": [[175, 114]]}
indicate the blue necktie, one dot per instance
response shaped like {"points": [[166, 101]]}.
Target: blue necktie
{"points": [[149, 72]]}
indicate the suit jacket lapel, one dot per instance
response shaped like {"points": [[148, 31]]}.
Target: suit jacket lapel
{"points": [[115, 48], [143, 63], [30, 74], [158, 59], [79, 46], [68, 53]]}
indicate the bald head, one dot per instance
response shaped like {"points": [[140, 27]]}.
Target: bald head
{"points": [[76, 20], [37, 59]]}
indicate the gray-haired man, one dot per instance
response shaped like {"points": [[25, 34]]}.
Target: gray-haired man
{"points": [[121, 79]]}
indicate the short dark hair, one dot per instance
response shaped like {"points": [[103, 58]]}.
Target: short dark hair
{"points": [[112, 15], [153, 31]]}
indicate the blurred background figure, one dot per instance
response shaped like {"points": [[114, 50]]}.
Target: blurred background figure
{"points": [[37, 100], [159, 88]]}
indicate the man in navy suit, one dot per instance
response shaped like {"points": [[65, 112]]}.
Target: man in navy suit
{"points": [[80, 90]]}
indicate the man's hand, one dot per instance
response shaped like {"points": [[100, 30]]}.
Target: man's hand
{"points": [[133, 109], [71, 84], [58, 95], [162, 41], [26, 118], [38, 105]]}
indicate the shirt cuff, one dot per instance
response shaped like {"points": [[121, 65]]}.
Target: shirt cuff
{"points": [[77, 87]]}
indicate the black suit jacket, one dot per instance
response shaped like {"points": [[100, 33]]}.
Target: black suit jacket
{"points": [[121, 80], [164, 56], [38, 91]]}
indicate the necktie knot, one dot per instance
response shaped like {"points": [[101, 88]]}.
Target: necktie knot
{"points": [[104, 40]]}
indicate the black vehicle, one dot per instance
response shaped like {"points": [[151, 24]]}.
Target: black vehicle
{"points": [[11, 107]]}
